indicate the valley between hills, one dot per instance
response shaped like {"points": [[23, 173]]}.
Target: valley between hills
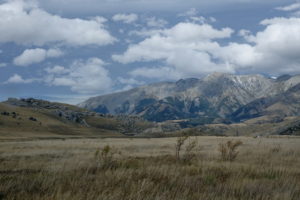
{"points": [[216, 105]]}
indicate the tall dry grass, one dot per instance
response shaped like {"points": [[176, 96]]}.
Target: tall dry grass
{"points": [[147, 169]]}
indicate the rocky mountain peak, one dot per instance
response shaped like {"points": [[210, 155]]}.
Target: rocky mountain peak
{"points": [[217, 95]]}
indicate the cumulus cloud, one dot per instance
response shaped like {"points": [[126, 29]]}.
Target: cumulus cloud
{"points": [[202, 20], [183, 48], [292, 7], [246, 34], [129, 81], [32, 56], [182, 36], [157, 73], [191, 50], [86, 77], [274, 50], [144, 32], [157, 23], [17, 79], [192, 15], [189, 13], [56, 70], [279, 49], [25, 23], [125, 18]]}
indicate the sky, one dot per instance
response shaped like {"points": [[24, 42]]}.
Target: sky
{"points": [[71, 50]]}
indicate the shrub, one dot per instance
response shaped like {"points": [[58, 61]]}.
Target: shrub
{"points": [[190, 148], [228, 150], [276, 148], [179, 143], [105, 157]]}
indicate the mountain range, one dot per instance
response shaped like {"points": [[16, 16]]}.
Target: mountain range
{"points": [[218, 104], [216, 98]]}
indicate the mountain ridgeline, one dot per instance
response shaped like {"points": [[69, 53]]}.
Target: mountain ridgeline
{"points": [[216, 98]]}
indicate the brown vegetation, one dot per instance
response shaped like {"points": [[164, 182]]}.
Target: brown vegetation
{"points": [[147, 169], [228, 150]]}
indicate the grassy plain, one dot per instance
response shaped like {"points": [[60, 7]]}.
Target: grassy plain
{"points": [[146, 169]]}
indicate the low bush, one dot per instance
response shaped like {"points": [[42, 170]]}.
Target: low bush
{"points": [[228, 150]]}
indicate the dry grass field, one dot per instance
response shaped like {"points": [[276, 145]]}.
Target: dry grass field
{"points": [[147, 169]]}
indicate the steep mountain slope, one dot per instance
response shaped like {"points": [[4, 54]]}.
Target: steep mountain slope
{"points": [[282, 105], [214, 97]]}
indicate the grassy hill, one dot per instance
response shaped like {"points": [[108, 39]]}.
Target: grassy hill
{"points": [[28, 118], [30, 122]]}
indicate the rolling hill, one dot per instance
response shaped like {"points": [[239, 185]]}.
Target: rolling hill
{"points": [[37, 118]]}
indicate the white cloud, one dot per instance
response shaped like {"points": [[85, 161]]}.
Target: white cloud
{"points": [[89, 77], [32, 56], [292, 7], [144, 32], [27, 24], [130, 81], [183, 48], [192, 15], [246, 34], [191, 50], [56, 70], [199, 19], [154, 22], [181, 36], [191, 12], [202, 20], [84, 77], [54, 53], [157, 73], [274, 50], [17, 79], [280, 49], [126, 18]]}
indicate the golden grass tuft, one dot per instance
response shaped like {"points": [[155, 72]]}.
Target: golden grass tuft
{"points": [[228, 150]]}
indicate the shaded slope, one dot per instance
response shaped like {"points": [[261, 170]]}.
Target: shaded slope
{"points": [[284, 104]]}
